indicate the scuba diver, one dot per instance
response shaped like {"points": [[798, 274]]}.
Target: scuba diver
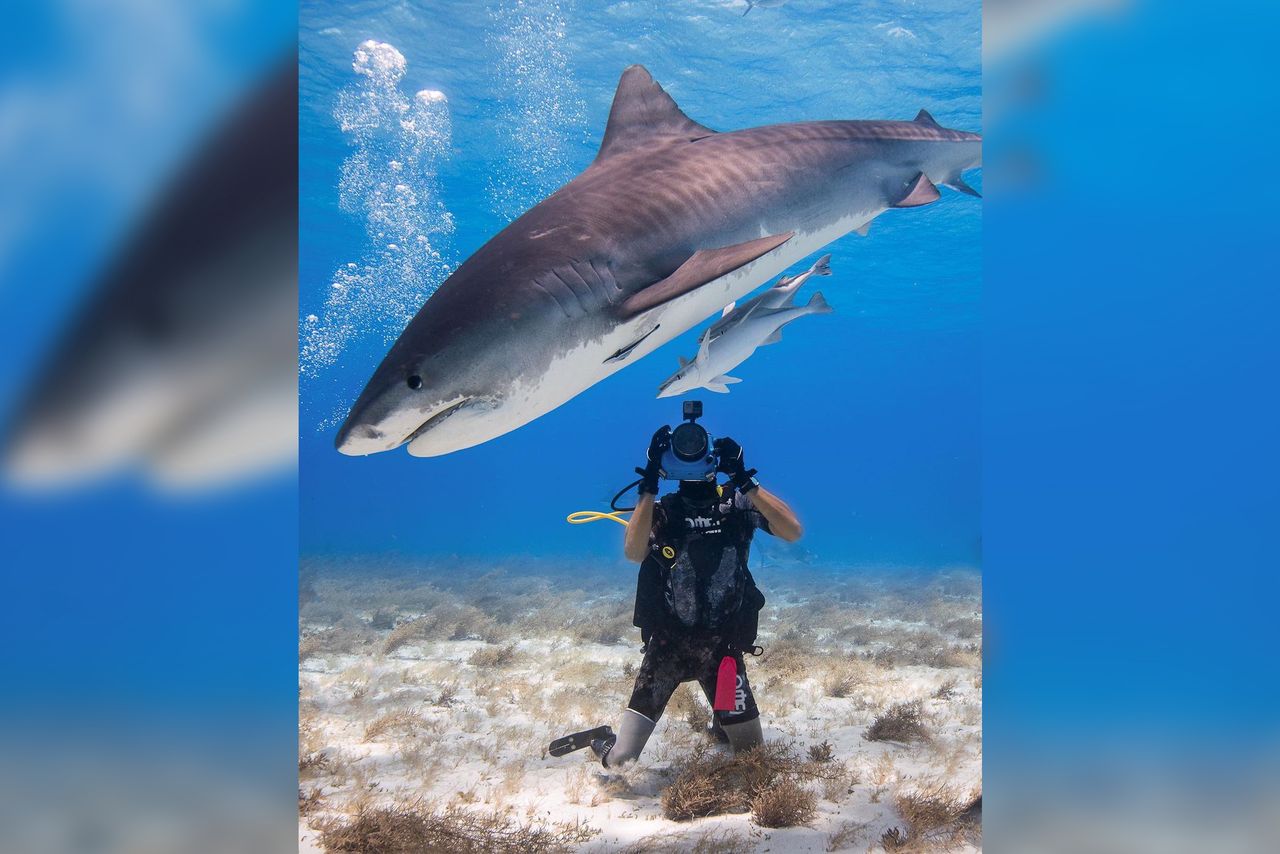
{"points": [[697, 605]]}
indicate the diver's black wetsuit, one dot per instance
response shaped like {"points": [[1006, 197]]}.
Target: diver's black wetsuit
{"points": [[695, 603], [696, 600]]}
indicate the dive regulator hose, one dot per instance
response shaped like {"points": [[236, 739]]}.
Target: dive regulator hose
{"points": [[582, 517]]}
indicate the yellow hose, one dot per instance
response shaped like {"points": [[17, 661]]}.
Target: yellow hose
{"points": [[582, 517]]}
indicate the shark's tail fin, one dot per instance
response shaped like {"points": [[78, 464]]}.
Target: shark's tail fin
{"points": [[821, 267], [818, 304]]}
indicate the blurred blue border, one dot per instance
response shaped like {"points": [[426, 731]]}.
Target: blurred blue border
{"points": [[1131, 487]]}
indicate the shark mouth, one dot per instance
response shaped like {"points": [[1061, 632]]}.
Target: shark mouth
{"points": [[437, 419]]}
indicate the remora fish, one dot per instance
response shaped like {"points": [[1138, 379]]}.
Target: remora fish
{"points": [[670, 222], [717, 356], [781, 294]]}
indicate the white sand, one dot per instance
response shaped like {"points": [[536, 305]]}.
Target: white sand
{"points": [[484, 746]]}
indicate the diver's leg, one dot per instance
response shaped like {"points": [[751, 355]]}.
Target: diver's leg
{"points": [[745, 735], [633, 733], [741, 727], [655, 683]]}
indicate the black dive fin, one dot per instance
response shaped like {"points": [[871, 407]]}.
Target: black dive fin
{"points": [[579, 740], [703, 266], [644, 114]]}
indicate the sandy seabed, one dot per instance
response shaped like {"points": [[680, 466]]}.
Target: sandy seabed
{"points": [[428, 695]]}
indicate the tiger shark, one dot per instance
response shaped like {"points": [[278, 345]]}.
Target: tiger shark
{"points": [[669, 223]]}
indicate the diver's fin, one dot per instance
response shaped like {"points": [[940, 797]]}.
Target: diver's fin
{"points": [[578, 740], [921, 192], [923, 118], [728, 308], [623, 352], [774, 337], [702, 267], [822, 267], [643, 114], [863, 229], [955, 182]]}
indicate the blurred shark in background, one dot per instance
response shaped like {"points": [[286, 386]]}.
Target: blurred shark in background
{"points": [[184, 359]]}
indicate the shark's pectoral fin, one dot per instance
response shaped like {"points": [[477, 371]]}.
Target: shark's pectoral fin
{"points": [[920, 192], [704, 347], [725, 379], [684, 363], [773, 338], [862, 232], [702, 267], [717, 387]]}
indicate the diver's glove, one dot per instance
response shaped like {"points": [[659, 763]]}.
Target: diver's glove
{"points": [[653, 463], [729, 455]]}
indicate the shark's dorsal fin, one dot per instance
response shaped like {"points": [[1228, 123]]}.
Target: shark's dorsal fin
{"points": [[923, 118], [643, 113], [684, 363], [703, 266]]}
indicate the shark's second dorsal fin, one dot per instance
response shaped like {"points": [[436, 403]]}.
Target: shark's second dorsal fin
{"points": [[643, 113], [923, 118]]}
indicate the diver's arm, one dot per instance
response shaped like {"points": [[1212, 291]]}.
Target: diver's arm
{"points": [[781, 518], [636, 544]]}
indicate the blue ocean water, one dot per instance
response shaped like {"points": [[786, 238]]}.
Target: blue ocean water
{"points": [[426, 128]]}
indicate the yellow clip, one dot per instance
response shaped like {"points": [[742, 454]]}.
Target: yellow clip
{"points": [[668, 552]]}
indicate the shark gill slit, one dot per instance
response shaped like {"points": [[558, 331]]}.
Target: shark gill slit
{"points": [[583, 303], [549, 293]]}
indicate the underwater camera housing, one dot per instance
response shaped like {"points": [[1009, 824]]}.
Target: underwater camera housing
{"points": [[691, 455]]}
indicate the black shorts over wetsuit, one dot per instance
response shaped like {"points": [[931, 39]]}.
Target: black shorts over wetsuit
{"points": [[670, 661], [696, 600]]}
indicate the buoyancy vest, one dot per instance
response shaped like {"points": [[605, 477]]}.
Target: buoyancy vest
{"points": [[695, 579]]}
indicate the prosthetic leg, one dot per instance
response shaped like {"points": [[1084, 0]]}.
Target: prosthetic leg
{"points": [[633, 733], [744, 736]]}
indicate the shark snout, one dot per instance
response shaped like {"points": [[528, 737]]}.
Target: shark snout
{"points": [[357, 439]]}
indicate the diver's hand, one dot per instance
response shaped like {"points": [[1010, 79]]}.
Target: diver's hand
{"points": [[730, 462], [653, 460]]}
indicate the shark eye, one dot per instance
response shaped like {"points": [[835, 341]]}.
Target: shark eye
{"points": [[414, 382]]}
